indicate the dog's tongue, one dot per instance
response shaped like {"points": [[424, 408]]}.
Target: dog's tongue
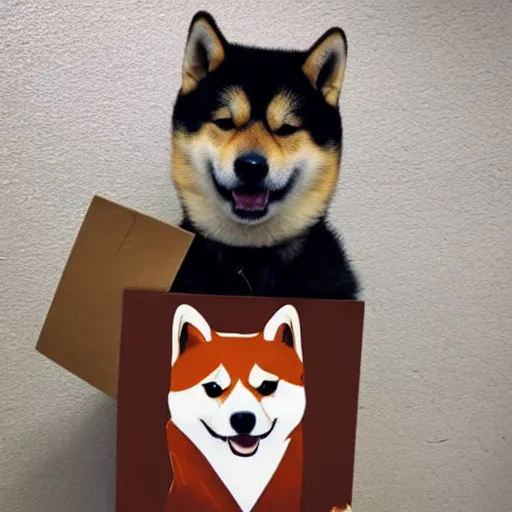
{"points": [[250, 201]]}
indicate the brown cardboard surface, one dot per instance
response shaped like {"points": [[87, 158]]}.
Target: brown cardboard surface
{"points": [[116, 248], [332, 342]]}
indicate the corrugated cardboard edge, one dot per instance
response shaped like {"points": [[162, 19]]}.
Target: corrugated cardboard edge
{"points": [[95, 200]]}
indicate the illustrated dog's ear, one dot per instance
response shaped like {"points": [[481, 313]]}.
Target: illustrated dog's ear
{"points": [[204, 51], [325, 64], [284, 326], [189, 328]]}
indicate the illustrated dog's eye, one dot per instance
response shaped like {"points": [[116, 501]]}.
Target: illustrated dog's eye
{"points": [[286, 129], [225, 123], [267, 387], [213, 390]]}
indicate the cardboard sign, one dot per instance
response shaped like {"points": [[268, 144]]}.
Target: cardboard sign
{"points": [[236, 404], [116, 248]]}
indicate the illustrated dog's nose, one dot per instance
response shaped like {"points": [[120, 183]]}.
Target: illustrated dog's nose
{"points": [[251, 167], [243, 422]]}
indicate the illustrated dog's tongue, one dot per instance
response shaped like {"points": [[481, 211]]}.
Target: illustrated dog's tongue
{"points": [[245, 441], [251, 201]]}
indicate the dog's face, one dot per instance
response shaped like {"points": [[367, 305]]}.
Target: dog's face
{"points": [[237, 396], [256, 135]]}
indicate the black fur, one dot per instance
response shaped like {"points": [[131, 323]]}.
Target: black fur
{"points": [[313, 266]]}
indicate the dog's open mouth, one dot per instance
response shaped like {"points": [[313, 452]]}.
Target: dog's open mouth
{"points": [[251, 202], [242, 445]]}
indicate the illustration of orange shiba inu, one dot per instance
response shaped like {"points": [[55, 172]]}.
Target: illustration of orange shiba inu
{"points": [[236, 403]]}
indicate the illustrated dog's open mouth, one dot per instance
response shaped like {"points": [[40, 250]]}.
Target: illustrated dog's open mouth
{"points": [[241, 445], [251, 202]]}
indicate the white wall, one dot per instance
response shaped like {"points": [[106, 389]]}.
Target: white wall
{"points": [[425, 206]]}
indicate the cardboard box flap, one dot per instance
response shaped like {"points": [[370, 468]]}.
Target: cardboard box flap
{"points": [[116, 248]]}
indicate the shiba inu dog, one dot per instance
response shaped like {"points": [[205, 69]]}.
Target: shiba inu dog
{"points": [[236, 403], [256, 151]]}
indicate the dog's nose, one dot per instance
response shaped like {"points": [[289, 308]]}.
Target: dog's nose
{"points": [[243, 422], [251, 167]]}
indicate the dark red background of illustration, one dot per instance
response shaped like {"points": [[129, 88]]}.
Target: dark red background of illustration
{"points": [[331, 339]]}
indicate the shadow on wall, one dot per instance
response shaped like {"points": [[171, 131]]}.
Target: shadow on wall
{"points": [[68, 469]]}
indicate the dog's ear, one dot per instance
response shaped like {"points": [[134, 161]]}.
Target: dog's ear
{"points": [[189, 328], [204, 51], [325, 64], [284, 326]]}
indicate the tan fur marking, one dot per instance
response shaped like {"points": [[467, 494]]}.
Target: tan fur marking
{"points": [[334, 44], [293, 120], [253, 138], [193, 72], [235, 100], [222, 113], [181, 168], [280, 111]]}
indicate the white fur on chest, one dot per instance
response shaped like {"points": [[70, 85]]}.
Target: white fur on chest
{"points": [[247, 477]]}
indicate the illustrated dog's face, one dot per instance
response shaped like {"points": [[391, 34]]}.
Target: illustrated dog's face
{"points": [[256, 135], [237, 396]]}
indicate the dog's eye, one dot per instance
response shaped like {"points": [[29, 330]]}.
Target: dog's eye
{"points": [[286, 129], [213, 390], [225, 123], [267, 387]]}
